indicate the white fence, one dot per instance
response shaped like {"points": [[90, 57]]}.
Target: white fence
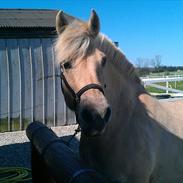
{"points": [[167, 79]]}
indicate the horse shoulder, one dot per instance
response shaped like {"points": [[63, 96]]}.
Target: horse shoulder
{"points": [[168, 116], [175, 109]]}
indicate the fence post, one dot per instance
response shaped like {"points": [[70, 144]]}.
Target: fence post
{"points": [[167, 85]]}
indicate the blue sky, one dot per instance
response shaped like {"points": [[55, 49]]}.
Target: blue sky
{"points": [[142, 28]]}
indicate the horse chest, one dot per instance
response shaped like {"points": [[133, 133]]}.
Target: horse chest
{"points": [[106, 158]]}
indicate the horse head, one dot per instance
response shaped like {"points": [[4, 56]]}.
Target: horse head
{"points": [[82, 65]]}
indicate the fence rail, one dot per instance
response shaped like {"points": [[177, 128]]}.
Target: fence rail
{"points": [[167, 79]]}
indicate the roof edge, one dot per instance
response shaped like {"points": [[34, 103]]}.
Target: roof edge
{"points": [[28, 9]]}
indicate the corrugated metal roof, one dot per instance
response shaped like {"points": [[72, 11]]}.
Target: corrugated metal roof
{"points": [[27, 18]]}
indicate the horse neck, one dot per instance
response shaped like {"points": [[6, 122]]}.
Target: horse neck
{"points": [[116, 56], [124, 101], [123, 82]]}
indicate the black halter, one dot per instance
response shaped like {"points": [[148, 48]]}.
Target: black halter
{"points": [[76, 96]]}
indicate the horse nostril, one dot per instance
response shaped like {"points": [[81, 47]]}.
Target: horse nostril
{"points": [[87, 115], [107, 114], [90, 115]]}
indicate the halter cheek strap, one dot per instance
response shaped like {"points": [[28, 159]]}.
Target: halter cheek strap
{"points": [[67, 84]]}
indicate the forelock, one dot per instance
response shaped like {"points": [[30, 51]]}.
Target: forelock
{"points": [[74, 42]]}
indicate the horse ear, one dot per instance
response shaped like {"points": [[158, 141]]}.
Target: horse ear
{"points": [[94, 23], [62, 20]]}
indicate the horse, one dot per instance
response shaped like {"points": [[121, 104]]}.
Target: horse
{"points": [[126, 134]]}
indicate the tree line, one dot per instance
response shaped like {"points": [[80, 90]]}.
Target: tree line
{"points": [[145, 66]]}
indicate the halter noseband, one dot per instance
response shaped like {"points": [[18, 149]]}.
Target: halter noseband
{"points": [[77, 95]]}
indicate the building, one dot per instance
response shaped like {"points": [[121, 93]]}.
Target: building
{"points": [[29, 89]]}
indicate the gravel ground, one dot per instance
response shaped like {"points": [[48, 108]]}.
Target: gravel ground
{"points": [[15, 146]]}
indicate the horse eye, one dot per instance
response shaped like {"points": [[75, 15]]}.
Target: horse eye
{"points": [[104, 60], [67, 65]]}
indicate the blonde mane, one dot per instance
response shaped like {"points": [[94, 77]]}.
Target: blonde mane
{"points": [[115, 55], [76, 41]]}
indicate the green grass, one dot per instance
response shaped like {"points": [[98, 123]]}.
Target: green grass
{"points": [[14, 124], [167, 73], [176, 85]]}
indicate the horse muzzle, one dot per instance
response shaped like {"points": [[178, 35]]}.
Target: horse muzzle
{"points": [[91, 121]]}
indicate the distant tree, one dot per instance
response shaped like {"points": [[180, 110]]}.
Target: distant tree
{"points": [[153, 63], [147, 65], [143, 62], [157, 62], [139, 62]]}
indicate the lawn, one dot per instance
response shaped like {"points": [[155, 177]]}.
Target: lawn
{"points": [[167, 73], [14, 124], [176, 85]]}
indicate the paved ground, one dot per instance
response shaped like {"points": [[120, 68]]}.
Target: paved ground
{"points": [[15, 146]]}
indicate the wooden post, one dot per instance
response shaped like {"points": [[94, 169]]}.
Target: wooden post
{"points": [[167, 85], [61, 163]]}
